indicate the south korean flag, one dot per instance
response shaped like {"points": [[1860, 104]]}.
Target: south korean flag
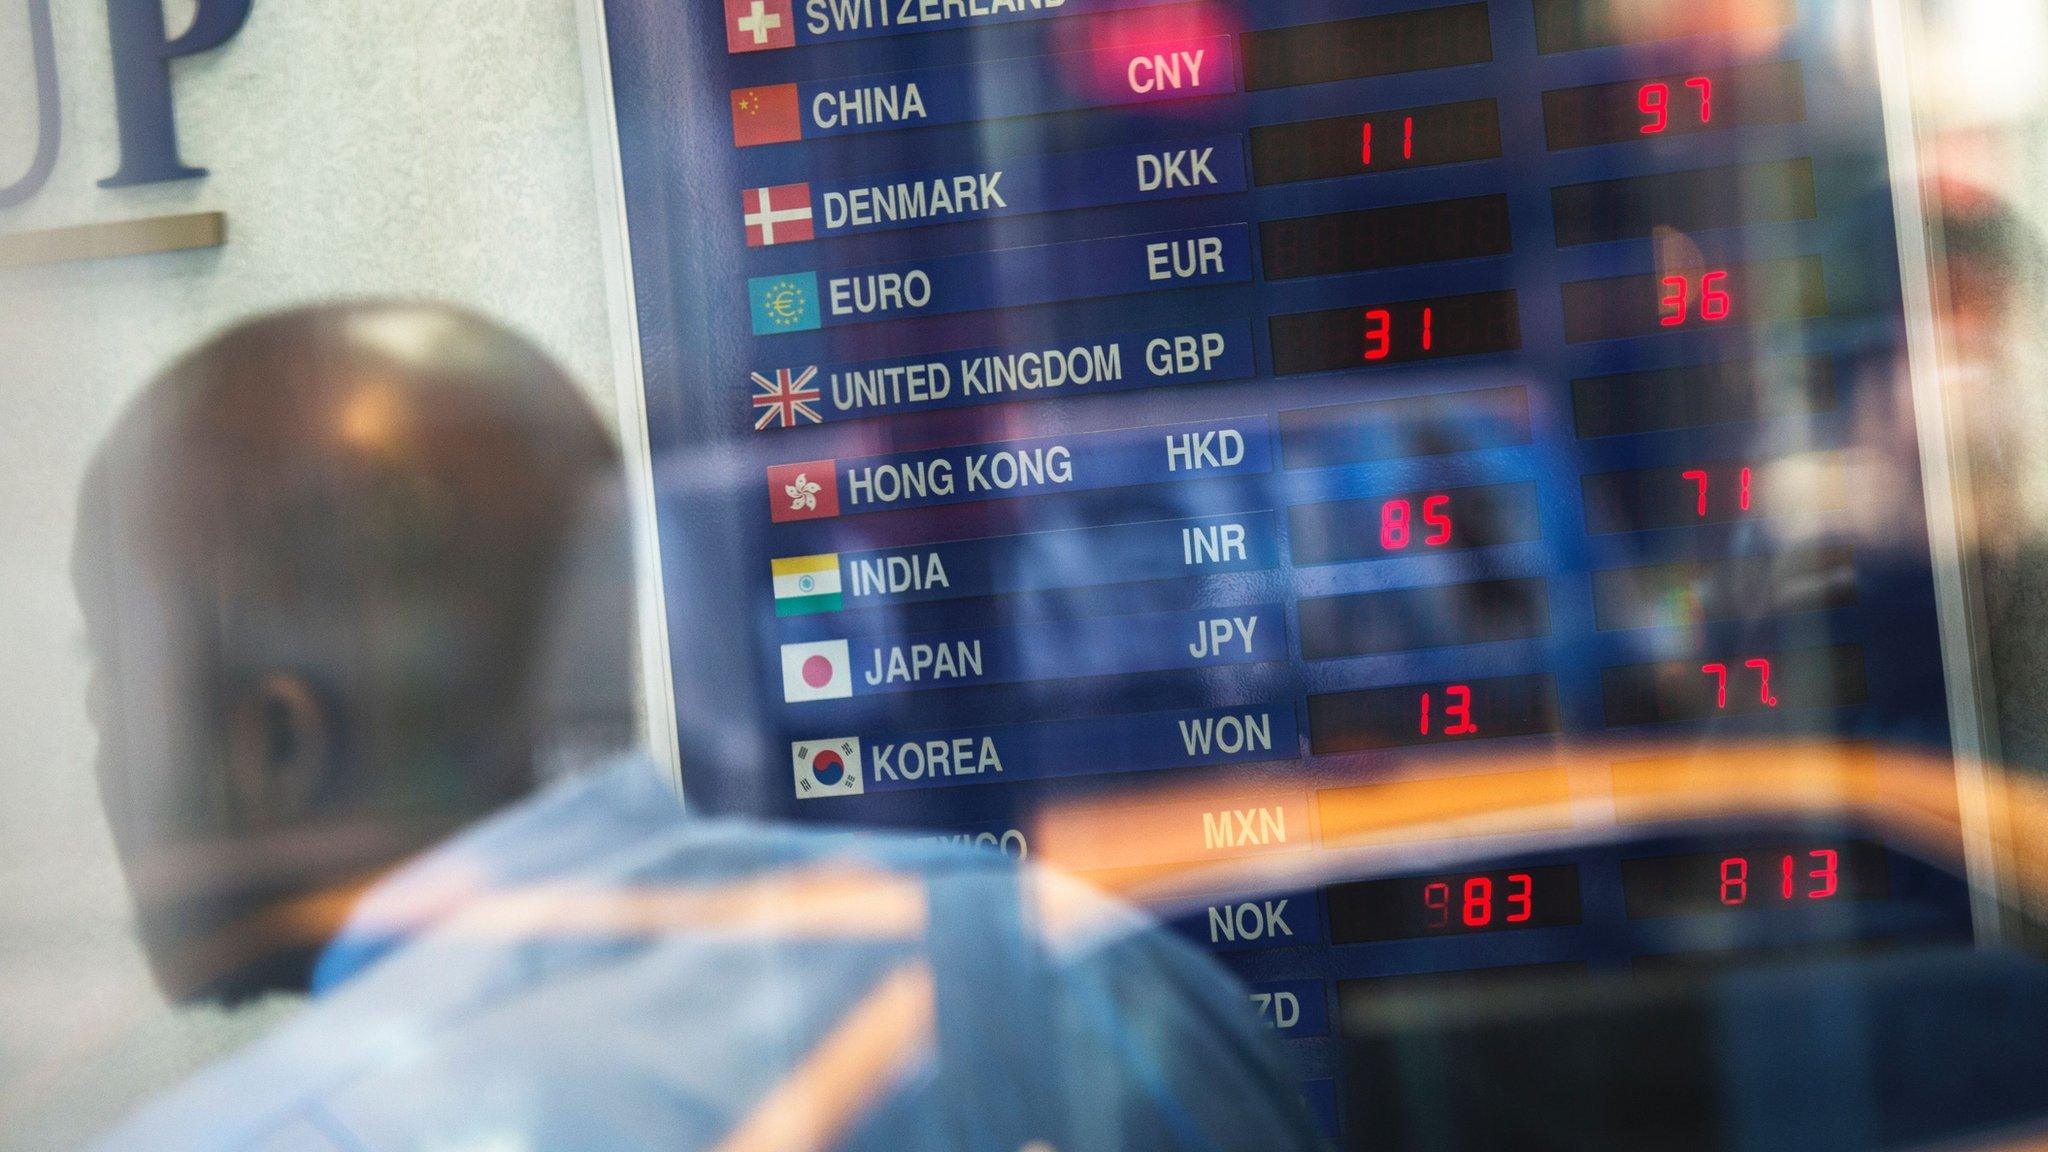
{"points": [[827, 768]]}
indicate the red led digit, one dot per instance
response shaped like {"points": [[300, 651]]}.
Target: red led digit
{"points": [[1762, 667], [1365, 141], [1734, 881], [1759, 665], [1477, 911], [1673, 304], [1379, 339], [1705, 88], [1714, 301], [1378, 331], [1394, 518], [1436, 516], [1720, 674], [1702, 482], [1699, 478], [1651, 101], [1437, 899], [1785, 877], [1459, 710], [1521, 897], [1397, 522], [1829, 873], [1479, 901]]}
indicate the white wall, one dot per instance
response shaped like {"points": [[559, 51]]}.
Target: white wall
{"points": [[428, 148]]}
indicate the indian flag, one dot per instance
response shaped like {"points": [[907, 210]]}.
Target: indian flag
{"points": [[807, 584]]}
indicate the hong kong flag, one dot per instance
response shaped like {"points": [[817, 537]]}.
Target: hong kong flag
{"points": [[765, 115], [778, 215], [806, 491], [759, 25]]}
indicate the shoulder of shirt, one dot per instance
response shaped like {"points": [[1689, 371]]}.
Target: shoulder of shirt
{"points": [[616, 833]]}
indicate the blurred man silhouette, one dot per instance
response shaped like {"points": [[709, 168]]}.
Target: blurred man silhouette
{"points": [[357, 576], [318, 559]]}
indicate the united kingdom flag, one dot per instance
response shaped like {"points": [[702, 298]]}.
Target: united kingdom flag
{"points": [[786, 400]]}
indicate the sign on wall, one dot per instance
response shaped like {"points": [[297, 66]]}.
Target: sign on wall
{"points": [[141, 49]]}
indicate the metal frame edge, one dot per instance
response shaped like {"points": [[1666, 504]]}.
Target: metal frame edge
{"points": [[1944, 474], [657, 678]]}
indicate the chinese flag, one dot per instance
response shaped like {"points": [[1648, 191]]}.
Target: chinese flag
{"points": [[765, 115]]}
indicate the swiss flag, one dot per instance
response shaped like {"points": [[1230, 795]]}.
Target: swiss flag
{"points": [[778, 215], [765, 115], [759, 25], [806, 491]]}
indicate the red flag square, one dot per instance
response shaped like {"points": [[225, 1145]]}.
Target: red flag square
{"points": [[759, 25], [765, 115], [806, 491], [778, 215]]}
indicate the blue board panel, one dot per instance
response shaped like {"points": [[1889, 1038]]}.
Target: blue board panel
{"points": [[1047, 399]]}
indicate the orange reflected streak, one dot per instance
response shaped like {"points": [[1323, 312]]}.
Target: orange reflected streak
{"points": [[873, 1048], [830, 900], [1910, 797]]}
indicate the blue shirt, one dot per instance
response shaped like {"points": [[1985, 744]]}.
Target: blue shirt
{"points": [[591, 970]]}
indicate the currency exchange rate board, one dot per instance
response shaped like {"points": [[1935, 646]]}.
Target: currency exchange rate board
{"points": [[1285, 405]]}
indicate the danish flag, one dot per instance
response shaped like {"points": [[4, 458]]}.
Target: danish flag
{"points": [[778, 215], [785, 398]]}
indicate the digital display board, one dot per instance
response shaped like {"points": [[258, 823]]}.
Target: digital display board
{"points": [[1454, 903], [1046, 399], [1755, 877]]}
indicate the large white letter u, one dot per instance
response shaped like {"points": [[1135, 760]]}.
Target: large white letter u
{"points": [[43, 45]]}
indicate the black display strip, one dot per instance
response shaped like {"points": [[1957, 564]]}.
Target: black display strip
{"points": [[1439, 712], [1444, 616], [1675, 104], [1786, 874], [1715, 960], [1551, 1062], [1366, 1005], [1367, 46], [1698, 395], [1393, 237], [1379, 1003], [1572, 25], [1690, 201], [1712, 492], [1436, 425], [1397, 332], [1732, 684], [1463, 903], [1376, 142], [1735, 588], [1412, 523], [1791, 288]]}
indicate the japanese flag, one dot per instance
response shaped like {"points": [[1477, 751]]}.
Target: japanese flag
{"points": [[820, 671]]}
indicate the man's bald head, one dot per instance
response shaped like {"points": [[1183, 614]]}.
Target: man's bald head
{"points": [[350, 573]]}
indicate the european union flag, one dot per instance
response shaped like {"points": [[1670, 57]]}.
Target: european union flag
{"points": [[786, 303]]}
